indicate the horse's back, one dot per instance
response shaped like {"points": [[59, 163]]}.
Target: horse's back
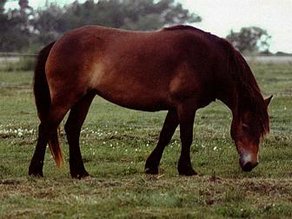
{"points": [[140, 70]]}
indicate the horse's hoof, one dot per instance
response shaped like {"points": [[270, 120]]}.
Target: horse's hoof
{"points": [[80, 175], [35, 172], [150, 167], [153, 171], [187, 172]]}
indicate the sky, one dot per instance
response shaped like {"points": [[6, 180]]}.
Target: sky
{"points": [[221, 16]]}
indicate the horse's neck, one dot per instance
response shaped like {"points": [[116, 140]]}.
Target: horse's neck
{"points": [[235, 82], [231, 98]]}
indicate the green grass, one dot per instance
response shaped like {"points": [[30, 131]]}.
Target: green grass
{"points": [[115, 144]]}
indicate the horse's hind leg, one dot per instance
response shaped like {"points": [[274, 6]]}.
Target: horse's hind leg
{"points": [[169, 126], [47, 130], [73, 127], [37, 161]]}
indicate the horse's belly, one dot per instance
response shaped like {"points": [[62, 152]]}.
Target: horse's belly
{"points": [[138, 99], [131, 87]]}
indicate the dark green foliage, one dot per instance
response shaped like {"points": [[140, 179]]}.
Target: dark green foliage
{"points": [[20, 29], [250, 40]]}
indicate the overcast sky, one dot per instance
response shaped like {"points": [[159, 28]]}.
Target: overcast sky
{"points": [[220, 16]]}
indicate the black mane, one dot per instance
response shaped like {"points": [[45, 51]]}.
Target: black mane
{"points": [[182, 27], [248, 90], [191, 28]]}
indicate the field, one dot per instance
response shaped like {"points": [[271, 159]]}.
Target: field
{"points": [[115, 145]]}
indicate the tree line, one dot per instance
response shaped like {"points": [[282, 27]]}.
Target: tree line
{"points": [[27, 29]]}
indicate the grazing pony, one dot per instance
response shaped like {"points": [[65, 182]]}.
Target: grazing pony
{"points": [[179, 69]]}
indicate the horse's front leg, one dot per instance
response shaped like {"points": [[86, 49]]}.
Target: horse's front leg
{"points": [[168, 129], [186, 116]]}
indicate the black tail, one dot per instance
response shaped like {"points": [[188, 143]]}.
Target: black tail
{"points": [[43, 99], [40, 85]]}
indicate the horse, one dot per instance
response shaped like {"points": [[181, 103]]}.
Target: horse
{"points": [[178, 69]]}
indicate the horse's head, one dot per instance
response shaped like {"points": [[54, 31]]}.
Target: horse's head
{"points": [[246, 131]]}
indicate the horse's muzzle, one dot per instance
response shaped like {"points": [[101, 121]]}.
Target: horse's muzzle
{"points": [[247, 166]]}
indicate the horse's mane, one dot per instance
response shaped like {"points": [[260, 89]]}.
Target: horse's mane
{"points": [[249, 93], [182, 27], [194, 29]]}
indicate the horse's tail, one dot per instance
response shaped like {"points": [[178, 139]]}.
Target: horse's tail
{"points": [[43, 101]]}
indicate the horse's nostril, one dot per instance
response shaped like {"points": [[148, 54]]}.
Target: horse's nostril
{"points": [[249, 166]]}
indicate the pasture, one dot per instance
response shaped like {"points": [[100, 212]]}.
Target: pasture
{"points": [[115, 144]]}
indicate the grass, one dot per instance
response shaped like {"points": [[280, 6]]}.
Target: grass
{"points": [[115, 144]]}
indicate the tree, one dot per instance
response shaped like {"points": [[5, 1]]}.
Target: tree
{"points": [[49, 24], [15, 28], [128, 14], [250, 40], [22, 28], [2, 4], [150, 14]]}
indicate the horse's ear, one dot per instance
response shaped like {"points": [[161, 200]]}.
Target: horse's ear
{"points": [[268, 100]]}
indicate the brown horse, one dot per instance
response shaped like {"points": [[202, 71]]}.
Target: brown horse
{"points": [[179, 69]]}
